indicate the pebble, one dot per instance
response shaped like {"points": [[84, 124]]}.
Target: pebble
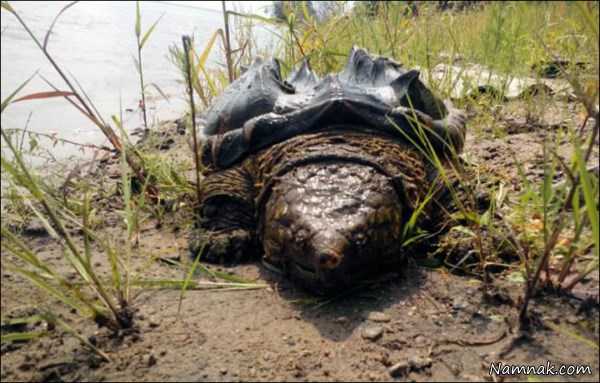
{"points": [[414, 363], [372, 332], [572, 319], [418, 362], [153, 323], [341, 319], [378, 316], [399, 369], [420, 340], [149, 360], [223, 371], [459, 304]]}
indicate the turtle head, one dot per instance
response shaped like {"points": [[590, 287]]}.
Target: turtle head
{"points": [[330, 223]]}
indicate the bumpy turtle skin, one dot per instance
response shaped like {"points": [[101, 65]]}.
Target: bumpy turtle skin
{"points": [[325, 208], [329, 223], [226, 224]]}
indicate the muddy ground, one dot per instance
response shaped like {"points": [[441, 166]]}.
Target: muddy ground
{"points": [[415, 323]]}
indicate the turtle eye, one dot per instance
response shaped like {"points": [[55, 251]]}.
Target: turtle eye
{"points": [[360, 239], [301, 235]]}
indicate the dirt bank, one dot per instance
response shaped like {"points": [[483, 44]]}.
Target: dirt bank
{"points": [[416, 323]]}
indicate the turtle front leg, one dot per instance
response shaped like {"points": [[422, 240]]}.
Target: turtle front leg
{"points": [[225, 227]]}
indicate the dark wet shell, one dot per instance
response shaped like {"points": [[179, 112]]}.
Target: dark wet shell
{"points": [[259, 109]]}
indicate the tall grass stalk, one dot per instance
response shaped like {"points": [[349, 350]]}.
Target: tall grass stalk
{"points": [[81, 263], [187, 44], [227, 42], [141, 41], [85, 107]]}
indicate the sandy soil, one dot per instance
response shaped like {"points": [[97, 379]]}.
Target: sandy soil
{"points": [[415, 323]]}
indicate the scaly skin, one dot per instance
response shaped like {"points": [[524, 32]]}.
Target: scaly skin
{"points": [[328, 223], [326, 208]]}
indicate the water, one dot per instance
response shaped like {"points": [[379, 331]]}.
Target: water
{"points": [[95, 41]]}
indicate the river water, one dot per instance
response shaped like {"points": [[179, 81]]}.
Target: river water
{"points": [[95, 41]]}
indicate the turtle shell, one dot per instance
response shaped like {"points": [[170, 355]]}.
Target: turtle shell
{"points": [[371, 93]]}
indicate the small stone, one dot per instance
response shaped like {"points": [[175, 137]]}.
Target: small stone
{"points": [[414, 363], [420, 340], [377, 316], [372, 332], [223, 371], [572, 319], [341, 319], [459, 304], [153, 323], [149, 360], [419, 363], [399, 369]]}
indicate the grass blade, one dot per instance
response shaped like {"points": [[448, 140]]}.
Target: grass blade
{"points": [[189, 276], [86, 224], [588, 195], [5, 5], [149, 31], [563, 330], [43, 220], [158, 90], [51, 318], [267, 20], [138, 20], [22, 320], [45, 45], [8, 99], [46, 287], [22, 336], [178, 283], [207, 49]]}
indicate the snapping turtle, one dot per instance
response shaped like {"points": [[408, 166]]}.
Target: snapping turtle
{"points": [[321, 175]]}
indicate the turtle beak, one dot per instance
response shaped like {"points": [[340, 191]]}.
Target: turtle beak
{"points": [[328, 248]]}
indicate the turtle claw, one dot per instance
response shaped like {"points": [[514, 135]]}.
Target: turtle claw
{"points": [[225, 247]]}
